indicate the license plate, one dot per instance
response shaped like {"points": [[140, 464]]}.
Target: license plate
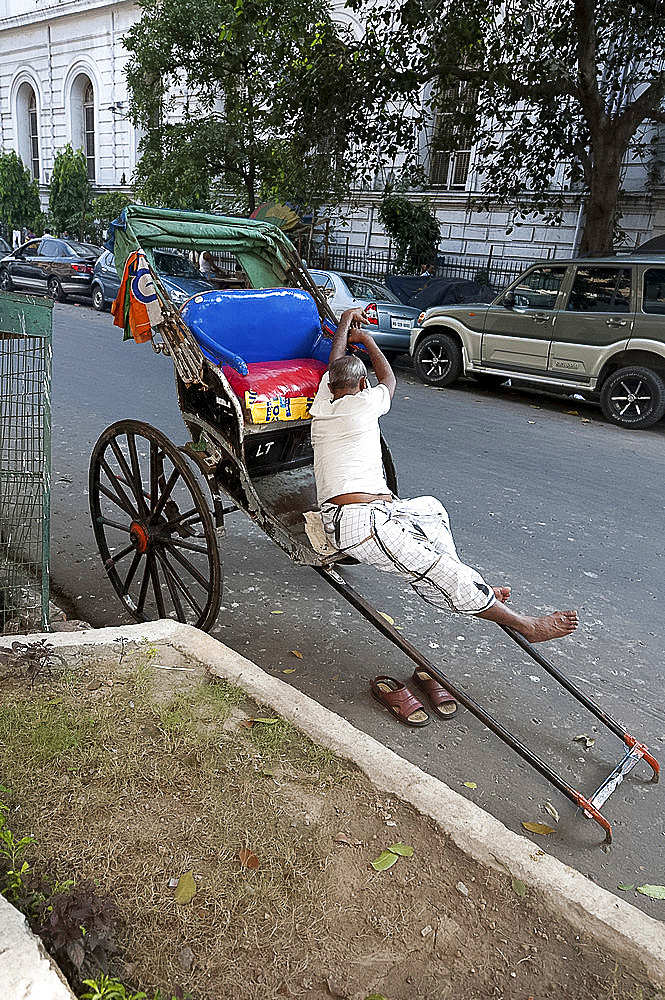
{"points": [[397, 323]]}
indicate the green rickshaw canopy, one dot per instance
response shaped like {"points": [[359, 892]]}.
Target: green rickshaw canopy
{"points": [[268, 257]]}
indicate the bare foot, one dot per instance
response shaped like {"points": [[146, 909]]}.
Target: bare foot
{"points": [[553, 626], [502, 593], [534, 629]]}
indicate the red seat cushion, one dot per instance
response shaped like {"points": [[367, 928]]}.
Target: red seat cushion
{"points": [[269, 380]]}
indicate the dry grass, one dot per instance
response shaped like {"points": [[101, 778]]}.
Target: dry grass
{"points": [[130, 774]]}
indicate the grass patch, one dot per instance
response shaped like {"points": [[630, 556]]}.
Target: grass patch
{"points": [[132, 776]]}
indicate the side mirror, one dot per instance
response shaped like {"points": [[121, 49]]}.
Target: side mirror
{"points": [[508, 300]]}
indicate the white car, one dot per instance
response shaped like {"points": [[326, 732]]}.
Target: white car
{"points": [[391, 321]]}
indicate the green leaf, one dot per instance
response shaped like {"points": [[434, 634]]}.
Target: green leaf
{"points": [[185, 889], [652, 891], [267, 722], [624, 886], [384, 861], [375, 996], [519, 887], [402, 850]]}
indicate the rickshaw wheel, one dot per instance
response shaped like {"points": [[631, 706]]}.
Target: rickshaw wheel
{"points": [[153, 527]]}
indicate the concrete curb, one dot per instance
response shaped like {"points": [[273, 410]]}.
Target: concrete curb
{"points": [[614, 923], [26, 971]]}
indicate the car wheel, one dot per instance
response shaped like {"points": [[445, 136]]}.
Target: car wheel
{"points": [[55, 290], [438, 359], [6, 282], [98, 300], [633, 397]]}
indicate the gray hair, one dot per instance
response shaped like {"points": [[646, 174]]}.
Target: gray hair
{"points": [[346, 372]]}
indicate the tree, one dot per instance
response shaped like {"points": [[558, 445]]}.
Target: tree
{"points": [[70, 192], [563, 91], [268, 102], [414, 230], [105, 209], [19, 193]]}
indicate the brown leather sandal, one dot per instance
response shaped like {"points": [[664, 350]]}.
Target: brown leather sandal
{"points": [[399, 701], [440, 700]]}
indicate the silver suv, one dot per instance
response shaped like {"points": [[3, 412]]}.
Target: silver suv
{"points": [[595, 325]]}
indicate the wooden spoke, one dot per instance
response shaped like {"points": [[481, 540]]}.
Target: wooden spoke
{"points": [[175, 569]]}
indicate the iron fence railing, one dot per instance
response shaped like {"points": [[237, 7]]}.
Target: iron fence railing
{"points": [[25, 461]]}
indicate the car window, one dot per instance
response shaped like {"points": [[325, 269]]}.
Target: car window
{"points": [[49, 248], [322, 280], [539, 288], [653, 294], [600, 289], [79, 249], [175, 266], [365, 288]]}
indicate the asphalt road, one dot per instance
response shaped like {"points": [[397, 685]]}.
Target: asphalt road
{"points": [[543, 495]]}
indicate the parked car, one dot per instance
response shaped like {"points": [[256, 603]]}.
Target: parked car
{"points": [[48, 265], [390, 320], [179, 277], [592, 325], [4, 247]]}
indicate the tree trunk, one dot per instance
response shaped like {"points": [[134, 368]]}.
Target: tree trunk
{"points": [[600, 211]]}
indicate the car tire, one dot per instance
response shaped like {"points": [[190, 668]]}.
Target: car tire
{"points": [[6, 283], [55, 290], [437, 359], [633, 397], [98, 300]]}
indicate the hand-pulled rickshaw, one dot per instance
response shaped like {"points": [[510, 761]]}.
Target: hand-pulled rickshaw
{"points": [[247, 364]]}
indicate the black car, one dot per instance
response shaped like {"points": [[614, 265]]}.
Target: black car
{"points": [[50, 266]]}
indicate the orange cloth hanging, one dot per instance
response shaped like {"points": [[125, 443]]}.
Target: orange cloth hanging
{"points": [[136, 308]]}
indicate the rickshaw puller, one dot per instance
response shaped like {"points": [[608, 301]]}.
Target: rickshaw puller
{"points": [[362, 517]]}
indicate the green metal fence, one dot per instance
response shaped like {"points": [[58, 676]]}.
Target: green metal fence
{"points": [[25, 461]]}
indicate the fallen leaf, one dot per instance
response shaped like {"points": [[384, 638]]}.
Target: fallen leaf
{"points": [[549, 808], [402, 850], [375, 996], [185, 889], [247, 723], [585, 420], [588, 741], [248, 859], [624, 886], [289, 670], [519, 887], [342, 838], [276, 612], [652, 891], [391, 621], [297, 654], [266, 722], [537, 827], [573, 413], [267, 773], [384, 861], [470, 784]]}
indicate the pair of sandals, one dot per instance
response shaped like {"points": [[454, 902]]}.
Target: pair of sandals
{"points": [[404, 705]]}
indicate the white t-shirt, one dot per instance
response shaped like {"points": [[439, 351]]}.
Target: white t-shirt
{"points": [[347, 441]]}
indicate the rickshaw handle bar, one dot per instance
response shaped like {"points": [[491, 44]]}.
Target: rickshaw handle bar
{"points": [[376, 619], [603, 717]]}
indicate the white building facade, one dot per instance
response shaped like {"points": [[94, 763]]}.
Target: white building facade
{"points": [[62, 80]]}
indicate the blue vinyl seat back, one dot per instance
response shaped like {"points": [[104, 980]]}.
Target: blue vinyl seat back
{"points": [[256, 324]]}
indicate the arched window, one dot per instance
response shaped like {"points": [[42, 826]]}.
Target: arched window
{"points": [[33, 129], [83, 119], [27, 125], [89, 129]]}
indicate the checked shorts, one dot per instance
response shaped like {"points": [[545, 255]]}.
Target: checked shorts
{"points": [[412, 538]]}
